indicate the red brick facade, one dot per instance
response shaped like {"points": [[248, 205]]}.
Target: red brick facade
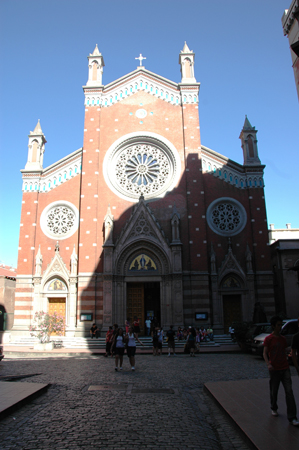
{"points": [[198, 270]]}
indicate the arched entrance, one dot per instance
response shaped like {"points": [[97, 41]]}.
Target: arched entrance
{"points": [[143, 301], [231, 288], [57, 297]]}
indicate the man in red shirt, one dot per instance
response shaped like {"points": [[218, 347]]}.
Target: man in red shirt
{"points": [[276, 359]]}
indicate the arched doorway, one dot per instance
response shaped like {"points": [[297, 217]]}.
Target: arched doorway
{"points": [[57, 297], [231, 288], [143, 301]]}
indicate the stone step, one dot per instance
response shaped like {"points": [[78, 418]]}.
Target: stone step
{"points": [[81, 342]]}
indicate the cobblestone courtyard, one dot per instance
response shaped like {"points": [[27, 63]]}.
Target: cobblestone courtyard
{"points": [[127, 410]]}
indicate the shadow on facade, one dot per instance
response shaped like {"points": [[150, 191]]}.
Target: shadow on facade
{"points": [[155, 260]]}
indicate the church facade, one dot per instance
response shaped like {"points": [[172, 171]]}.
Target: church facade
{"points": [[143, 220]]}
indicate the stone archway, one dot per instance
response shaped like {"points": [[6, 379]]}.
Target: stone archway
{"points": [[232, 288]]}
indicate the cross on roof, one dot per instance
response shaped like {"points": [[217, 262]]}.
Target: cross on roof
{"points": [[140, 57]]}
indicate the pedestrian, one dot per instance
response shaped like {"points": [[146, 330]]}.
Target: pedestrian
{"points": [[115, 333], [197, 340], [191, 340], [109, 339], [170, 340], [136, 324], [131, 339], [148, 323], [295, 350], [155, 341], [276, 359], [127, 324], [160, 334], [119, 343]]}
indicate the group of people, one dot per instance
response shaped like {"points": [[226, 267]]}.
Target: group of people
{"points": [[203, 335], [117, 341]]}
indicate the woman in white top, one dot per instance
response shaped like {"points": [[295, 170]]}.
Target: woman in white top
{"points": [[119, 349], [131, 339]]}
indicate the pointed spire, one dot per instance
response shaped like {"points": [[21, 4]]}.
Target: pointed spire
{"points": [[247, 125], [186, 49], [96, 51], [38, 129]]}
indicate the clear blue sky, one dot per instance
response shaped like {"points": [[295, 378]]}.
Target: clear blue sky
{"points": [[242, 61]]}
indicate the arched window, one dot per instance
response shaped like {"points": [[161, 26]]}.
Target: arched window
{"points": [[187, 64], [94, 70], [250, 147]]}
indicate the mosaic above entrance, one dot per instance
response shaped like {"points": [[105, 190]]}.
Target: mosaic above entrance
{"points": [[142, 263]]}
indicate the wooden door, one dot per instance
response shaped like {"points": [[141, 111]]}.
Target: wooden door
{"points": [[135, 303], [57, 305], [232, 311]]}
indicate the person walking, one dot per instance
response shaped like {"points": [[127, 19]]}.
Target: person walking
{"points": [[191, 341], [119, 346], [170, 340], [109, 338], [131, 339], [276, 359], [160, 334]]}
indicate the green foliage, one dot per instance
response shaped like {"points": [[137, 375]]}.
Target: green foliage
{"points": [[45, 324]]}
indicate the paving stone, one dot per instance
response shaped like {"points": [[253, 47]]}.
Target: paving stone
{"points": [[69, 416]]}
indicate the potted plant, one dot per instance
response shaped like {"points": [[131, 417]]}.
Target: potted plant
{"points": [[45, 324]]}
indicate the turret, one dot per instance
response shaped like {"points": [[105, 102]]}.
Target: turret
{"points": [[249, 144], [186, 60], [36, 148], [95, 68]]}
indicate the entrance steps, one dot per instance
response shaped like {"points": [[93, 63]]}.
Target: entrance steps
{"points": [[88, 343]]}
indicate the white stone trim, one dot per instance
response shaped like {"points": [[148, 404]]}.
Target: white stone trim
{"points": [[53, 176], [222, 170], [140, 82]]}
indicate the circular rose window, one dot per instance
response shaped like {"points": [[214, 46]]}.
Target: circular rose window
{"points": [[141, 164], [59, 220], [226, 216]]}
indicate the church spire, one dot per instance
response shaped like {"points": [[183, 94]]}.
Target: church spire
{"points": [[36, 148], [186, 60], [249, 144], [95, 68]]}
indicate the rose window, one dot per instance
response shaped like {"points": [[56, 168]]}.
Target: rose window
{"points": [[141, 166], [60, 220], [226, 216]]}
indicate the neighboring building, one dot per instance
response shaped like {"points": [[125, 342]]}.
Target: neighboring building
{"points": [[143, 220], [285, 263], [7, 297], [290, 26]]}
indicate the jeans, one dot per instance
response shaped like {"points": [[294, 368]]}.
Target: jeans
{"points": [[284, 376]]}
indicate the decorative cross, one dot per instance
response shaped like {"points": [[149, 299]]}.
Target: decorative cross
{"points": [[140, 57]]}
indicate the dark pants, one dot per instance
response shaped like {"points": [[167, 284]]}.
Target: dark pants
{"points": [[283, 376]]}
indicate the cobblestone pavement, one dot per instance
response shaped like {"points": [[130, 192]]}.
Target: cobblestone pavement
{"points": [[126, 413]]}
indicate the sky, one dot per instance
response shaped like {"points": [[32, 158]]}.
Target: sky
{"points": [[242, 60]]}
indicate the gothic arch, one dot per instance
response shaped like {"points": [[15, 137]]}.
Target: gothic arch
{"points": [[133, 249]]}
